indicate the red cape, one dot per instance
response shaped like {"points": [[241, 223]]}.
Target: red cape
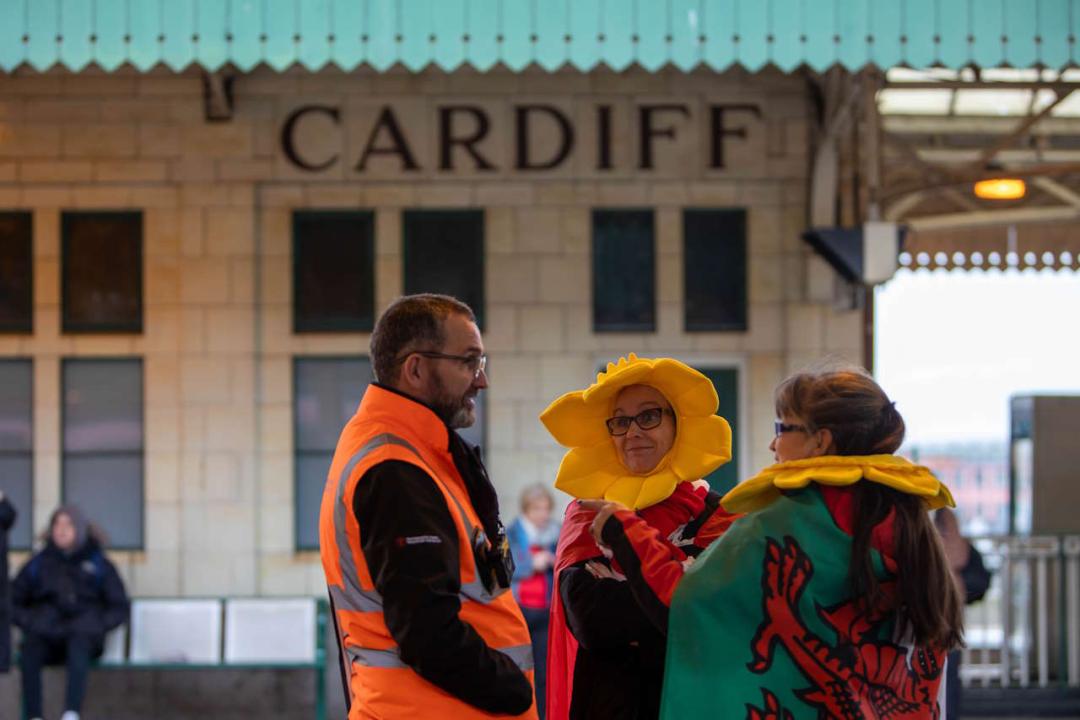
{"points": [[577, 545]]}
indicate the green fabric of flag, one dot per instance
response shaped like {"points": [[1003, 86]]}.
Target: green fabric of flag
{"points": [[762, 626]]}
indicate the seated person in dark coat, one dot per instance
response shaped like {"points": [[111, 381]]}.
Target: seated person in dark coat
{"points": [[7, 519], [65, 599]]}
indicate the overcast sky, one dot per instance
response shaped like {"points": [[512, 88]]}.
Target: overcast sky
{"points": [[951, 347]]}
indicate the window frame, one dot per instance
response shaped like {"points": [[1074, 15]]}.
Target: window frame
{"points": [[26, 326], [67, 325], [738, 430], [64, 452], [297, 360], [362, 325], [645, 328], [739, 325], [408, 235], [27, 512]]}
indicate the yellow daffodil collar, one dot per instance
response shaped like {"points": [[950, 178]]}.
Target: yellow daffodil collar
{"points": [[591, 469], [895, 472]]}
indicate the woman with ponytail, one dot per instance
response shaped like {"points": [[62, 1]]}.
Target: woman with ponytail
{"points": [[832, 595]]}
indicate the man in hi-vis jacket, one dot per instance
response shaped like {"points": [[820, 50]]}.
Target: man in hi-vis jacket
{"points": [[415, 556]]}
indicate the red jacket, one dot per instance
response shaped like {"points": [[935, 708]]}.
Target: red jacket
{"points": [[681, 526]]}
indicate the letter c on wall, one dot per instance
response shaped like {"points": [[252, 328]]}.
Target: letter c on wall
{"points": [[288, 144]]}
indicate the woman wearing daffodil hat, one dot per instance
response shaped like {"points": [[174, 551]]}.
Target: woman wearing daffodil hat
{"points": [[643, 435], [832, 595]]}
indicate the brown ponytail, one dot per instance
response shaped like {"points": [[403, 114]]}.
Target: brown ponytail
{"points": [[863, 421]]}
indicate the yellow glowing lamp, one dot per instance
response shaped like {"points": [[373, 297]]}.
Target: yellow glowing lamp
{"points": [[1000, 189]]}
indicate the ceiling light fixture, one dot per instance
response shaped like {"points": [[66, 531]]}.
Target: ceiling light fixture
{"points": [[1000, 189]]}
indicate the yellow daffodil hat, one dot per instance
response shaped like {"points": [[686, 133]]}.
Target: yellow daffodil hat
{"points": [[838, 470], [591, 468]]}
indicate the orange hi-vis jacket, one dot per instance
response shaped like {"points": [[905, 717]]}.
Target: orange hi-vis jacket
{"points": [[387, 427]]}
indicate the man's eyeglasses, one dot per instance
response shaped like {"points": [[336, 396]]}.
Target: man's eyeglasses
{"points": [[475, 363], [782, 428], [646, 420]]}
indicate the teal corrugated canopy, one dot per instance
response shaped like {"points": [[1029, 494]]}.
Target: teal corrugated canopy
{"points": [[548, 33]]}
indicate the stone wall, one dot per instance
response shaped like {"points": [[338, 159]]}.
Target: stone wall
{"points": [[218, 346]]}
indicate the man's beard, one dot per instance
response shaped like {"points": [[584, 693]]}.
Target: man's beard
{"points": [[454, 411]]}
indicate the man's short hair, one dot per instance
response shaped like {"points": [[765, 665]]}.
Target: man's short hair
{"points": [[412, 322]]}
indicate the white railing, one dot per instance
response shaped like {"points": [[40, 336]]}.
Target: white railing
{"points": [[1026, 630]]}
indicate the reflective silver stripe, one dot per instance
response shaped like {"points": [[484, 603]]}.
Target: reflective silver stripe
{"points": [[476, 592], [387, 659], [357, 601], [355, 598], [352, 596], [390, 659], [522, 655], [469, 527]]}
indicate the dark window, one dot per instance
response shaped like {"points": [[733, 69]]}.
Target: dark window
{"points": [[333, 271], [714, 269], [444, 253], [327, 392], [103, 445], [726, 382], [102, 271], [17, 446], [16, 272], [624, 271]]}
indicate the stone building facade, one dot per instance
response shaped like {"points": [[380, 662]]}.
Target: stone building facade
{"points": [[217, 345]]}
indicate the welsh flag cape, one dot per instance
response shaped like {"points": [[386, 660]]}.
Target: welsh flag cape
{"points": [[763, 626]]}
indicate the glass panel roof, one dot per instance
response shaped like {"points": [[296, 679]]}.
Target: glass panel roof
{"points": [[980, 100]]}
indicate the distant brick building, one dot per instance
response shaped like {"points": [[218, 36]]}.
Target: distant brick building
{"points": [[978, 476]]}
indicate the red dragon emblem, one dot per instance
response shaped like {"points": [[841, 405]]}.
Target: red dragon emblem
{"points": [[860, 677]]}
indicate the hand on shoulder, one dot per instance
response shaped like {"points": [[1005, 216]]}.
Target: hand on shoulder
{"points": [[603, 509]]}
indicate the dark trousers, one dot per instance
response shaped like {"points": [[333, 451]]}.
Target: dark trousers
{"points": [[952, 686], [537, 620], [75, 652]]}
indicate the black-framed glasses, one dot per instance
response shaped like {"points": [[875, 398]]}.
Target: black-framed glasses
{"points": [[646, 420], [780, 428], [475, 363]]}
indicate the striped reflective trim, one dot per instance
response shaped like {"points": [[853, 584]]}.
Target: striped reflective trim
{"points": [[476, 592], [354, 597], [356, 601], [460, 508], [367, 657], [390, 658], [522, 655]]}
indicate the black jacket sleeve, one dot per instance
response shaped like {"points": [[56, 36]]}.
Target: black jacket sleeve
{"points": [[115, 606], [22, 592], [7, 514], [975, 577], [410, 544], [636, 549], [602, 613]]}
